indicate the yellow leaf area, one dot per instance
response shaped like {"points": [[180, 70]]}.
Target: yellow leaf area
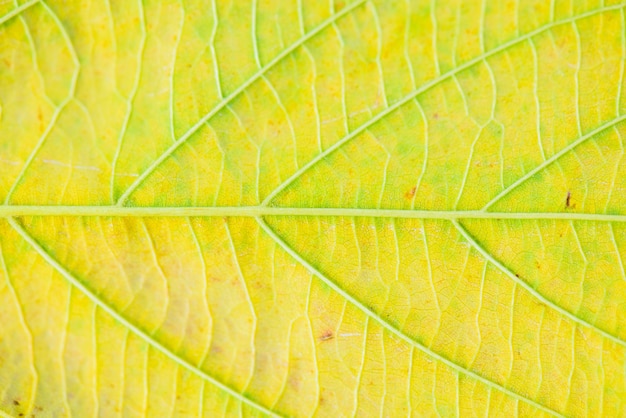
{"points": [[312, 208]]}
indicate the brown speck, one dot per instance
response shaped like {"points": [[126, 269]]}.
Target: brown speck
{"points": [[537, 265], [410, 193], [567, 199], [327, 335], [517, 275], [16, 402], [436, 116]]}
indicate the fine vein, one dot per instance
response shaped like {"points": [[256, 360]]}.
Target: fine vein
{"points": [[222, 104], [126, 323], [393, 329], [555, 157], [425, 87], [16, 11], [476, 245]]}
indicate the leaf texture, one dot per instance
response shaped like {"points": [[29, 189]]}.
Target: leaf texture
{"points": [[304, 208]]}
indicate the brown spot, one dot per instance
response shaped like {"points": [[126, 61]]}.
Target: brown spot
{"points": [[16, 402], [436, 116], [567, 199], [327, 335], [537, 265], [517, 275], [409, 195]]}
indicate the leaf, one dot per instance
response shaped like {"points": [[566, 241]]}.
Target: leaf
{"points": [[301, 208]]}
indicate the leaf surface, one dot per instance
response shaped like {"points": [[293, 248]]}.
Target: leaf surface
{"points": [[372, 208]]}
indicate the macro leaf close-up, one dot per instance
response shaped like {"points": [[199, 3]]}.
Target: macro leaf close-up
{"points": [[312, 208]]}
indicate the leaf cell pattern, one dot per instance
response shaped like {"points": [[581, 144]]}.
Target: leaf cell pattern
{"points": [[370, 207]]}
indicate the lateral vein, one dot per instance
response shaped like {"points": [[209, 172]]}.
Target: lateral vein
{"points": [[150, 340], [393, 329]]}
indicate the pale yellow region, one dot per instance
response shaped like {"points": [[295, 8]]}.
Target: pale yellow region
{"points": [[149, 128], [196, 87], [78, 360], [424, 280], [28, 102], [557, 88], [16, 352], [279, 24], [341, 357], [235, 44], [325, 54], [366, 371], [600, 67], [69, 168], [458, 32], [52, 50], [421, 48], [393, 21], [362, 81], [565, 8], [100, 36], [212, 291], [80, 119]]}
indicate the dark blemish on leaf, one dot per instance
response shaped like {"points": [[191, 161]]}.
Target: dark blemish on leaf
{"points": [[409, 195], [327, 335], [568, 201], [537, 265], [436, 116], [517, 275], [16, 402]]}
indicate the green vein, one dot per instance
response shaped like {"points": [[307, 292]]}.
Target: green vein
{"points": [[394, 330], [425, 87], [16, 11], [475, 244], [126, 323], [554, 158], [247, 211], [224, 102]]}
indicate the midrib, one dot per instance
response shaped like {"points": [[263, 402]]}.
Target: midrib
{"points": [[255, 211]]}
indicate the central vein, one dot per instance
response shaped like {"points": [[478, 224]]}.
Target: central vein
{"points": [[256, 211]]}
